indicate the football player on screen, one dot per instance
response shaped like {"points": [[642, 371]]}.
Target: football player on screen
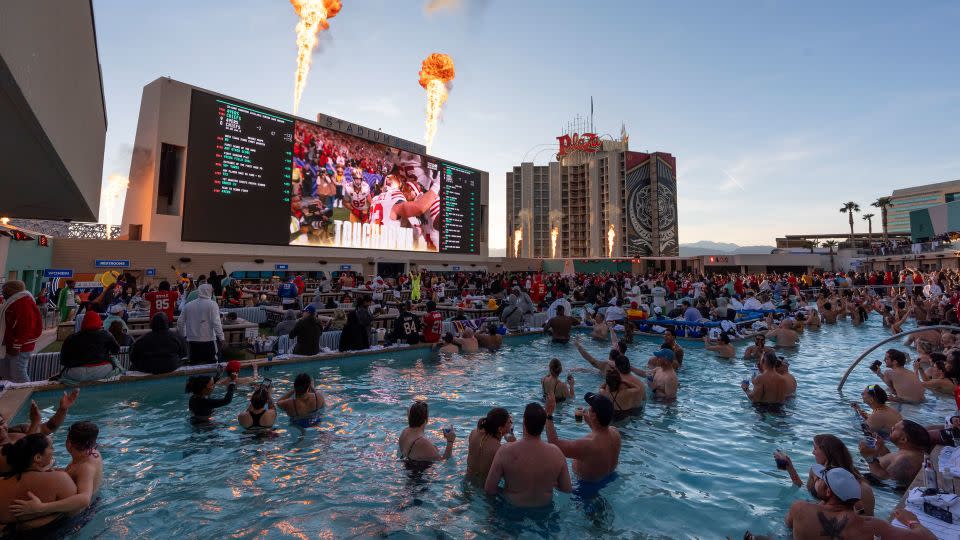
{"points": [[422, 190], [356, 195], [383, 203]]}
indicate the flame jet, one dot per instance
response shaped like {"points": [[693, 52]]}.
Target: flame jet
{"points": [[313, 18], [436, 73]]}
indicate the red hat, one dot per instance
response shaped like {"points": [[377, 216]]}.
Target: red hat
{"points": [[233, 366], [91, 321]]}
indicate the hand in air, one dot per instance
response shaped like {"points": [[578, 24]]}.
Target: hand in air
{"points": [[68, 400], [34, 413], [450, 435], [782, 456], [25, 508]]}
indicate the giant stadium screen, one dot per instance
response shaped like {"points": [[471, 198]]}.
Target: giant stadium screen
{"points": [[256, 176]]}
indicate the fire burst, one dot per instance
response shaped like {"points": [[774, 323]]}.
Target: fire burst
{"points": [[313, 18], [517, 238], [554, 234], [113, 195], [435, 76], [611, 235]]}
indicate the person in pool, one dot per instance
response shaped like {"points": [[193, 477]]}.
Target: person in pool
{"points": [[903, 383], [784, 334], [912, 441], [784, 369], [835, 516], [625, 397], [200, 387], [769, 387], [830, 452], [663, 378], [559, 326], [756, 350], [29, 460], [882, 418], [303, 403], [484, 442], [551, 383], [448, 345], [723, 348], [468, 341], [670, 342], [596, 455], [10, 434], [85, 469], [489, 338], [600, 329], [262, 411], [413, 443], [530, 468]]}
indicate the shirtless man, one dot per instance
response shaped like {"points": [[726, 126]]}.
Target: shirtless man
{"points": [[617, 362], [834, 516], [600, 329], [559, 326], [723, 348], [531, 469], [911, 440], [663, 378], [448, 346], [596, 455], [903, 383], [86, 470], [829, 313], [29, 460], [784, 370], [10, 434], [489, 338], [468, 342], [670, 340], [769, 387], [758, 349], [784, 335]]}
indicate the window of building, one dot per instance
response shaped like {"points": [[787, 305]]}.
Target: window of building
{"points": [[170, 181]]}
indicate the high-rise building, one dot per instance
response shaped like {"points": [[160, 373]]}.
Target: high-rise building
{"points": [[598, 200], [917, 198]]}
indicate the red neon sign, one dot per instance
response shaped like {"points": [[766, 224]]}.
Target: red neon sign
{"points": [[585, 142]]}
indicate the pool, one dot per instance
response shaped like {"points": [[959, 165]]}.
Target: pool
{"points": [[701, 467]]}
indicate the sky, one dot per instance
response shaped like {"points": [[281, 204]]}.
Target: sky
{"points": [[777, 112]]}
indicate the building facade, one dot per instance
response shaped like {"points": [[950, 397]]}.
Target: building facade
{"points": [[918, 198], [604, 201]]}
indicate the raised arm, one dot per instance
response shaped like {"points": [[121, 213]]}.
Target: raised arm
{"points": [[589, 357]]}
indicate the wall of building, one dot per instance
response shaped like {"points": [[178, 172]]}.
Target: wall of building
{"points": [[26, 261]]}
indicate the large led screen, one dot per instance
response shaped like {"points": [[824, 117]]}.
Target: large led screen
{"points": [[258, 177]]}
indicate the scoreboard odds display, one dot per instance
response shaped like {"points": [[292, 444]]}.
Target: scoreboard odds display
{"points": [[255, 176]]}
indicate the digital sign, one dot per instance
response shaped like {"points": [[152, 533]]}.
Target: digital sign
{"points": [[254, 176]]}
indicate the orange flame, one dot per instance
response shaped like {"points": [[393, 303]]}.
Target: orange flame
{"points": [[313, 18], [554, 234], [436, 72], [611, 234], [517, 238]]}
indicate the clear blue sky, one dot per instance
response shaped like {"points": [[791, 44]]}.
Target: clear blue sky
{"points": [[776, 111]]}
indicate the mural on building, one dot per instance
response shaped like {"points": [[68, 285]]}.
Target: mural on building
{"points": [[642, 223]]}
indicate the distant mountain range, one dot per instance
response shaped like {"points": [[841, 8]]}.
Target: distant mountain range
{"points": [[706, 247]]}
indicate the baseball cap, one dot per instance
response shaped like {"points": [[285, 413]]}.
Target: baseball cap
{"points": [[310, 308], [602, 407], [431, 305], [840, 481], [233, 366], [658, 310], [665, 354], [115, 309]]}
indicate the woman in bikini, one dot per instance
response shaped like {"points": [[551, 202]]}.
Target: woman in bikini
{"points": [[552, 384], [304, 403], [484, 441], [413, 443], [261, 413], [625, 397]]}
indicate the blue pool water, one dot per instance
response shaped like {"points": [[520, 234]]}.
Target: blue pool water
{"points": [[701, 467]]}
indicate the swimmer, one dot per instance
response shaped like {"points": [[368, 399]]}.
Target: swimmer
{"points": [[600, 328], [448, 346], [468, 342], [303, 403], [85, 469], [624, 396], [484, 442], [200, 387], [784, 335], [596, 455], [489, 338], [530, 468], [413, 444], [10, 434], [723, 348], [559, 326], [551, 383], [30, 459], [784, 369], [663, 378], [813, 318], [882, 418], [769, 387], [670, 342], [912, 441], [757, 350], [262, 411], [903, 383], [829, 451], [943, 376]]}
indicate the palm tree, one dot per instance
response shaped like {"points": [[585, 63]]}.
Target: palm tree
{"points": [[812, 245], [831, 244], [869, 219], [883, 203], [849, 208]]}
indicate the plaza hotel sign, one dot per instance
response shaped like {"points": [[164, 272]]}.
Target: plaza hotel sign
{"points": [[578, 142]]}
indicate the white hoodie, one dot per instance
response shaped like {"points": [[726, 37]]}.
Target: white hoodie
{"points": [[200, 319]]}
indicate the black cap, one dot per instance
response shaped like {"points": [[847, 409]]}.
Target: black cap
{"points": [[602, 407], [431, 305]]}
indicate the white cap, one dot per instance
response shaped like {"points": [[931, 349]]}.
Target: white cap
{"points": [[840, 481]]}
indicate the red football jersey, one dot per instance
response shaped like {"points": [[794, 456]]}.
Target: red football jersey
{"points": [[432, 327], [162, 301]]}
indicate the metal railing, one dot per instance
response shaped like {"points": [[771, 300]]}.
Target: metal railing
{"points": [[846, 374]]}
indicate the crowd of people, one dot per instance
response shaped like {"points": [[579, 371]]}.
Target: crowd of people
{"points": [[528, 468]]}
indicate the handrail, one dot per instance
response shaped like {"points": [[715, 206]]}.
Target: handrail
{"points": [[887, 340]]}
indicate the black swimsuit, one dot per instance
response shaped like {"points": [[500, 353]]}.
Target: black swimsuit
{"points": [[255, 418]]}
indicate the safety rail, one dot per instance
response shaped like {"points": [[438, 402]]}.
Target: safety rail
{"points": [[843, 380]]}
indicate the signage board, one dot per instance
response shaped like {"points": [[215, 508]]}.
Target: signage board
{"points": [[112, 263], [345, 267], [58, 273], [578, 142], [151, 272], [281, 266]]}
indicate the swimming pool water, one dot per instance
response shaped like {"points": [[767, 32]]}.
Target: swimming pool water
{"points": [[701, 467]]}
